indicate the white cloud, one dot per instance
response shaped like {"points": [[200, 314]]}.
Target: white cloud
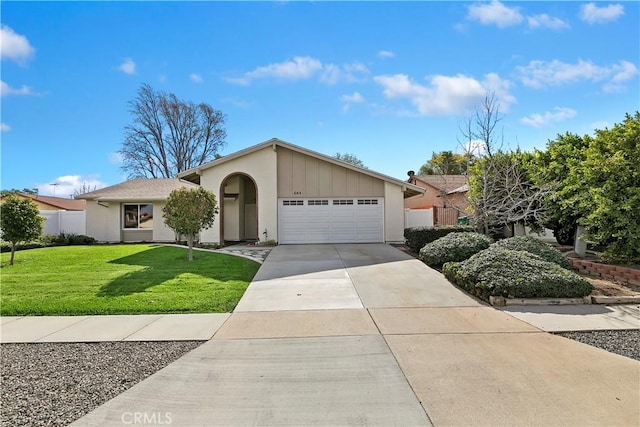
{"points": [[446, 95], [128, 66], [386, 54], [546, 21], [349, 73], [4, 127], [349, 100], [304, 68], [540, 74], [6, 90], [495, 13], [115, 158], [67, 185], [15, 46], [593, 14], [196, 78], [300, 68], [559, 114]]}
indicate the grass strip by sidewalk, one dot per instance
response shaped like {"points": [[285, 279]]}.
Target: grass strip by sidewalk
{"points": [[121, 279]]}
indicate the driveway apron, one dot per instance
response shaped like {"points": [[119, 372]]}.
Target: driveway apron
{"points": [[366, 335]]}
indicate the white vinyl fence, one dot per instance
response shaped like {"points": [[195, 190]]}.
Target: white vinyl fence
{"points": [[57, 222], [418, 218]]}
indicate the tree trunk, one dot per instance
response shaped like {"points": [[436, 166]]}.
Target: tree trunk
{"points": [[13, 251], [190, 241]]}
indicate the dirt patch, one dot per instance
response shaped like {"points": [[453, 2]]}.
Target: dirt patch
{"points": [[610, 288]]}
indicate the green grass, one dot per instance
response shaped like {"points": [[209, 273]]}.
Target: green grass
{"points": [[121, 279]]}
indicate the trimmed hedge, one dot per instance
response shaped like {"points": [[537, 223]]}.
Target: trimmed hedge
{"points": [[453, 247], [515, 274], [417, 237], [63, 239], [536, 247]]}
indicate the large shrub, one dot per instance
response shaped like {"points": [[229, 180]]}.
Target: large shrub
{"points": [[417, 237], [515, 274], [536, 247], [453, 247]]}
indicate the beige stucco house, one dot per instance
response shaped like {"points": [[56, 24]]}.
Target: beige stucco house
{"points": [[131, 211], [271, 191]]}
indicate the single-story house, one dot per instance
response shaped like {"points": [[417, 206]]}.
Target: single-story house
{"points": [[446, 191], [50, 203], [131, 211], [270, 191]]}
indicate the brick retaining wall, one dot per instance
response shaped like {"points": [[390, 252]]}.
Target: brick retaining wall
{"points": [[606, 271]]}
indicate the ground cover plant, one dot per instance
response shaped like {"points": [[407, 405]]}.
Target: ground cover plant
{"points": [[536, 247], [121, 279], [515, 274], [453, 247]]}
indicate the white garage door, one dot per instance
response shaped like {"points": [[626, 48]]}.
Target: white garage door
{"points": [[349, 220]]}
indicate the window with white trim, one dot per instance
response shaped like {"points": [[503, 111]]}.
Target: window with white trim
{"points": [[367, 201], [292, 203], [317, 202], [137, 216], [343, 202]]}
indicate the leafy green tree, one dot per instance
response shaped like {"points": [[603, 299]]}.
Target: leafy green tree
{"points": [[350, 158], [559, 167], [20, 221], [611, 208], [445, 163], [31, 191], [189, 211]]}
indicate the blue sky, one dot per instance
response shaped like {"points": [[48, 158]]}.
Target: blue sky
{"points": [[387, 81]]}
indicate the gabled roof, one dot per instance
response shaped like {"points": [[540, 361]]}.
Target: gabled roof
{"points": [[445, 183], [275, 142], [58, 202], [147, 190]]}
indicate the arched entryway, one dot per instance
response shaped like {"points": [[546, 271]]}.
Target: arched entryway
{"points": [[238, 208]]}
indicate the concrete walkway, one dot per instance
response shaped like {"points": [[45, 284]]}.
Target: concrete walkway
{"points": [[399, 346]]}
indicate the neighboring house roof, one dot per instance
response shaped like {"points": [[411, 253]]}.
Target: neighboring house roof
{"points": [[408, 188], [138, 190], [444, 183], [57, 202], [462, 189]]}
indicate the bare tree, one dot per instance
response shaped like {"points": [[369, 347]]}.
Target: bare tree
{"points": [[169, 135], [501, 190]]}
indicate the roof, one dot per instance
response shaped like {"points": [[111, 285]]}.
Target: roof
{"points": [[445, 183], [59, 202], [408, 188], [138, 190], [462, 189]]}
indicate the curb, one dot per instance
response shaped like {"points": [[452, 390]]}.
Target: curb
{"points": [[589, 299]]}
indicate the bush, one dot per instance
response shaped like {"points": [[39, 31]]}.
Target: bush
{"points": [[453, 247], [536, 247], [6, 247], [515, 274], [417, 237]]}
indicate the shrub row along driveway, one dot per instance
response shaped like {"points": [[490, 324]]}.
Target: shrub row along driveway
{"points": [[363, 334]]}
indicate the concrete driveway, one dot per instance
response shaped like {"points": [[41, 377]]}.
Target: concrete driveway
{"points": [[367, 335]]}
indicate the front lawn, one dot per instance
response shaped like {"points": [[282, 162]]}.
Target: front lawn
{"points": [[121, 279]]}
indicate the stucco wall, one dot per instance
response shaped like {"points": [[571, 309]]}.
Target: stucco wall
{"points": [[103, 221], [161, 233], [393, 213], [259, 165]]}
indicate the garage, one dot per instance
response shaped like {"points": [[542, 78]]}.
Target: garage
{"points": [[331, 220]]}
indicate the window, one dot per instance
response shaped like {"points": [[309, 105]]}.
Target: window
{"points": [[138, 216], [367, 201], [342, 202], [292, 203], [317, 202]]}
